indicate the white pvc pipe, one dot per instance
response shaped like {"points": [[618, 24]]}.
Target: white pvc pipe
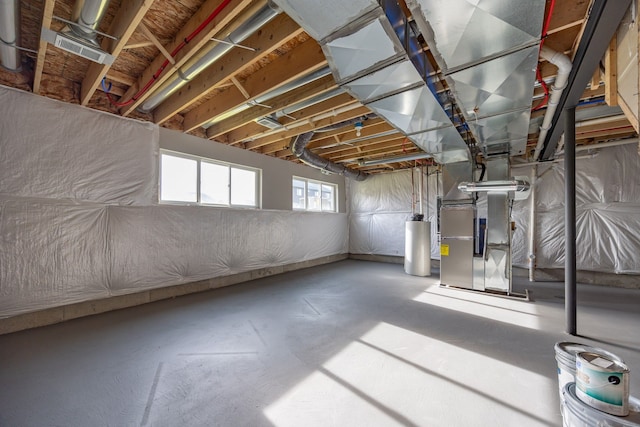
{"points": [[564, 68]]}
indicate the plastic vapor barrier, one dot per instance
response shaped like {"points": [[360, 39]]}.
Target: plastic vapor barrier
{"points": [[379, 208], [198, 243], [79, 217], [60, 151], [607, 210]]}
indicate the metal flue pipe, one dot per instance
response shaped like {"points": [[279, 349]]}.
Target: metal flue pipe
{"points": [[564, 68], [210, 54], [10, 35]]}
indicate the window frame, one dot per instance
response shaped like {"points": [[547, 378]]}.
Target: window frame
{"points": [[306, 195], [199, 159]]}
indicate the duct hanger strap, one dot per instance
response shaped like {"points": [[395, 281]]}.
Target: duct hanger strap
{"points": [[13, 45], [76, 24], [227, 42]]}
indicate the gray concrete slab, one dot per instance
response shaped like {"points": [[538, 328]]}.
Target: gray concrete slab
{"points": [[353, 343]]}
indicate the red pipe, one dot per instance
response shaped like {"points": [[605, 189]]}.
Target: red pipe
{"points": [[175, 51]]}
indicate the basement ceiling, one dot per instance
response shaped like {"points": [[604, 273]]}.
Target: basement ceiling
{"points": [[278, 72]]}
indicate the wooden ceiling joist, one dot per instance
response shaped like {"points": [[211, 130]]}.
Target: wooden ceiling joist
{"points": [[302, 60], [303, 93], [278, 31], [224, 18], [128, 17], [47, 16]]}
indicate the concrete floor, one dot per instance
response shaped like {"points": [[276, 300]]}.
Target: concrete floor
{"points": [[353, 343]]}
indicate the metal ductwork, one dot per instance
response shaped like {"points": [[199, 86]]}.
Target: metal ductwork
{"points": [[312, 159], [374, 55], [294, 84], [299, 149], [80, 35], [10, 35], [210, 54], [488, 53]]}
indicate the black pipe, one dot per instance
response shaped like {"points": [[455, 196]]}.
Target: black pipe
{"points": [[570, 219]]}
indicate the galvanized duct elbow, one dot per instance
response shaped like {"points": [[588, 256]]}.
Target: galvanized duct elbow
{"points": [[298, 148], [9, 35], [209, 55], [564, 69]]}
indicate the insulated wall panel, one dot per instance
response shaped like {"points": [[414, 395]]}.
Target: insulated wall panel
{"points": [[167, 245], [51, 253], [60, 151]]}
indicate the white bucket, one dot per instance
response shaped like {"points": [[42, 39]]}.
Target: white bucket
{"points": [[566, 358], [576, 413], [602, 383]]}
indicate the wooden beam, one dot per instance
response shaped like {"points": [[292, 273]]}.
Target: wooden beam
{"points": [[274, 34], [239, 86], [611, 73], [47, 16], [224, 18], [595, 79], [309, 126], [300, 94], [154, 40], [124, 24], [628, 113], [120, 77], [298, 62]]}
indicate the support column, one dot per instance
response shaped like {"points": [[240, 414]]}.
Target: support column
{"points": [[570, 218]]}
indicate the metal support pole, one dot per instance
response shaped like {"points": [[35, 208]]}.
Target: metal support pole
{"points": [[570, 218]]}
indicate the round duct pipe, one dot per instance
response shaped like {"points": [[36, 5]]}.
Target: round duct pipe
{"points": [[10, 35]]}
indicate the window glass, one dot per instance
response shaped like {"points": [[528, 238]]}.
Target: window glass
{"points": [[298, 195], [179, 179], [313, 195], [214, 183], [328, 198], [243, 187]]}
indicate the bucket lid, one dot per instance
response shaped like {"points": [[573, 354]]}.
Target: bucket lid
{"points": [[602, 362], [570, 349], [593, 417]]}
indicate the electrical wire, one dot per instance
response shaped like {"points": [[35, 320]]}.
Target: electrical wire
{"points": [[545, 28], [173, 54]]}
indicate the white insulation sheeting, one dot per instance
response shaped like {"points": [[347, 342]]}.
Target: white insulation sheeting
{"points": [[96, 156], [607, 213], [198, 243], [379, 208], [607, 209], [79, 217]]}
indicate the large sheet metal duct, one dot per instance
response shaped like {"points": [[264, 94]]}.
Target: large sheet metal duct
{"points": [[209, 55], [488, 52], [88, 14], [10, 34], [375, 56]]}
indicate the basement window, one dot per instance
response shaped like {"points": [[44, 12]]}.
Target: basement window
{"points": [[188, 179], [312, 195]]}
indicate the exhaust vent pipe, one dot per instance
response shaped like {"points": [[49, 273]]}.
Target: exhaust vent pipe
{"points": [[9, 35], [80, 36]]}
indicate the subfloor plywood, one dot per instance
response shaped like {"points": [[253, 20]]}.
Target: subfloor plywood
{"points": [[353, 343]]}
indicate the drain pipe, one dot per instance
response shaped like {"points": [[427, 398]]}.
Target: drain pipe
{"points": [[564, 68], [299, 148], [208, 57], [9, 35]]}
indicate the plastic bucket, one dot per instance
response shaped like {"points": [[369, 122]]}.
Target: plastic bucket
{"points": [[602, 383], [576, 413], [566, 358]]}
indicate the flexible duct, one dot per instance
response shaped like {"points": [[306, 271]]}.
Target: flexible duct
{"points": [[299, 149], [215, 51], [564, 68], [9, 34]]}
